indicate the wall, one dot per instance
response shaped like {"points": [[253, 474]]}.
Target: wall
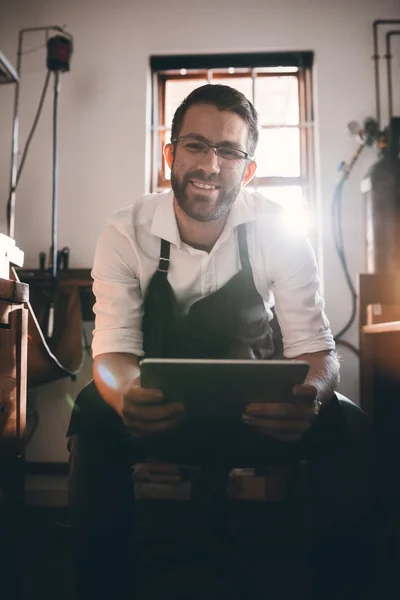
{"points": [[104, 124]]}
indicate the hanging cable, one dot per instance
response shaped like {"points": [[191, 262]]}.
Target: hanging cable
{"points": [[35, 124], [336, 215], [28, 142], [338, 238], [348, 345]]}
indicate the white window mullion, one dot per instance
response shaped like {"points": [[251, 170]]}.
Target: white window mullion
{"points": [[254, 92]]}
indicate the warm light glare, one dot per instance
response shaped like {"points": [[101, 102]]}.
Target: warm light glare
{"points": [[297, 219], [231, 70], [69, 400], [107, 377], [183, 71]]}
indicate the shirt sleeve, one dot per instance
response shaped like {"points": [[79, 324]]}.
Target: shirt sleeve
{"points": [[119, 302], [299, 306]]}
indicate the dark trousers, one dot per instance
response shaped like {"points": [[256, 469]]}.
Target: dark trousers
{"points": [[339, 451]]}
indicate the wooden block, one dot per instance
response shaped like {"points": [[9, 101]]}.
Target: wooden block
{"points": [[270, 486], [382, 313]]}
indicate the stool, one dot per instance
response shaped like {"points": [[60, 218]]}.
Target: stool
{"points": [[210, 537]]}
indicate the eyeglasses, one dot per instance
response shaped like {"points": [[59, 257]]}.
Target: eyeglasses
{"points": [[226, 153]]}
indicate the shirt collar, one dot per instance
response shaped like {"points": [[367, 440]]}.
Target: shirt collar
{"points": [[164, 222], [242, 210]]}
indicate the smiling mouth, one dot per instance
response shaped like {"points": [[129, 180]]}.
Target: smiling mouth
{"points": [[204, 186]]}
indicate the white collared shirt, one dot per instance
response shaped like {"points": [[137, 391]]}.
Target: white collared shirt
{"points": [[283, 263]]}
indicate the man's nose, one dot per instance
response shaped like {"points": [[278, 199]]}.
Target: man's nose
{"points": [[209, 162]]}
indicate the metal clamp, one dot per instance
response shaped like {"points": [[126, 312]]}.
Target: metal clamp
{"points": [[9, 253]]}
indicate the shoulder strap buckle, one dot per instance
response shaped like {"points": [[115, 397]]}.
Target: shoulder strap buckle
{"points": [[163, 268]]}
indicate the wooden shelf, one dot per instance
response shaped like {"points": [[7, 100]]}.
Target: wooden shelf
{"points": [[67, 277]]}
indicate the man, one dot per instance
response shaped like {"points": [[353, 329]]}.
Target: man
{"points": [[195, 273]]}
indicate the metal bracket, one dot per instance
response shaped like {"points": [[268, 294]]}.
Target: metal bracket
{"points": [[9, 253]]}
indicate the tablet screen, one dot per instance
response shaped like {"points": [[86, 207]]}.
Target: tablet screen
{"points": [[220, 389]]}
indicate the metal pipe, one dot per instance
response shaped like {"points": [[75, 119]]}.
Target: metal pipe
{"points": [[15, 129], [54, 212], [14, 147], [389, 57], [376, 58], [57, 84]]}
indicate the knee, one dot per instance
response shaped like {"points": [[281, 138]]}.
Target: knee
{"points": [[100, 487], [357, 422], [84, 481], [84, 457]]}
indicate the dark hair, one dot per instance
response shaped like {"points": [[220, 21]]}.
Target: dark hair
{"points": [[223, 97]]}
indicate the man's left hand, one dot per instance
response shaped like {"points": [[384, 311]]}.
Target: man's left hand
{"points": [[285, 421]]}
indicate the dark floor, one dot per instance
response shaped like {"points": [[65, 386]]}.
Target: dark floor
{"points": [[178, 561], [265, 556]]}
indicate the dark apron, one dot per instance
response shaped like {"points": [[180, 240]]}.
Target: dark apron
{"points": [[229, 323]]}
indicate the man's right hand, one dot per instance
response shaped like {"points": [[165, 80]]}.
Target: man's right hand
{"points": [[145, 413]]}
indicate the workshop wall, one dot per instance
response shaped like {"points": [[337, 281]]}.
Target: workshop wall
{"points": [[104, 134]]}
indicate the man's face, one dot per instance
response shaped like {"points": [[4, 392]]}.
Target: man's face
{"points": [[191, 172]]}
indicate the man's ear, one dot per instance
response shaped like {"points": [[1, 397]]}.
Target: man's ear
{"points": [[249, 173], [169, 153]]}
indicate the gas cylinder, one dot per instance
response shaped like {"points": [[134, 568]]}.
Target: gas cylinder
{"points": [[381, 192]]}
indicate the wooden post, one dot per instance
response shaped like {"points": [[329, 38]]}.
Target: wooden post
{"points": [[13, 370]]}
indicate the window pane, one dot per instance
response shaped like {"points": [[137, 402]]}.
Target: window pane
{"points": [[242, 84], [176, 91], [278, 153], [277, 100]]}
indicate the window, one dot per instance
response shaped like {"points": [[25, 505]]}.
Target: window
{"points": [[279, 86]]}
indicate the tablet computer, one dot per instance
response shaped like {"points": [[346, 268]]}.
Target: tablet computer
{"points": [[213, 389]]}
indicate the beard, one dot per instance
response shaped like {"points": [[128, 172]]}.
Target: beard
{"points": [[200, 206]]}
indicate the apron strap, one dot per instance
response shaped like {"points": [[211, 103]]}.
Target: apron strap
{"points": [[163, 264], [160, 307], [243, 249]]}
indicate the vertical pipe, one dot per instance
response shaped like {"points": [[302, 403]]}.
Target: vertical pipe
{"points": [[57, 84], [389, 57], [14, 146], [376, 57], [53, 251], [376, 70]]}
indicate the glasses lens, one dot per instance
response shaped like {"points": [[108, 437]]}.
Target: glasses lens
{"points": [[193, 145], [230, 153]]}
